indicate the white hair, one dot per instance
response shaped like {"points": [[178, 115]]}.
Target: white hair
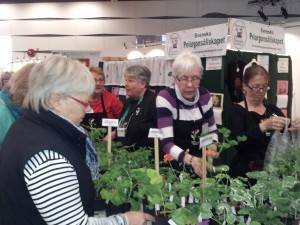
{"points": [[57, 75], [186, 62]]}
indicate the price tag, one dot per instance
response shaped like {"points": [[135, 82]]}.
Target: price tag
{"points": [[155, 133], [110, 122]]}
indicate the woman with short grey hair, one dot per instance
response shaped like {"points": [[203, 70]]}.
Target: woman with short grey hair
{"points": [[139, 112], [42, 162], [140, 73]]}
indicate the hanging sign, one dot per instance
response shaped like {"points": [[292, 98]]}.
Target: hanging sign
{"points": [[250, 36], [205, 41]]}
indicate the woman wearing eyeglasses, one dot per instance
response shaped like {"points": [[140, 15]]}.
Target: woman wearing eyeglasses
{"points": [[43, 174], [182, 110], [103, 103], [254, 119]]}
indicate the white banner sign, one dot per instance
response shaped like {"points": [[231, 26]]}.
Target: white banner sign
{"points": [[205, 41], [250, 36]]}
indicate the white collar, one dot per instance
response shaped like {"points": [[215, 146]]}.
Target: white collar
{"points": [[184, 100]]}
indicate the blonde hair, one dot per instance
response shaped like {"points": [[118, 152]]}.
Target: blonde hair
{"points": [[19, 84], [98, 70]]}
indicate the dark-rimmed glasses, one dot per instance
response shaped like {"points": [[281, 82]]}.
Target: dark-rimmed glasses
{"points": [[186, 80], [257, 88], [84, 104]]}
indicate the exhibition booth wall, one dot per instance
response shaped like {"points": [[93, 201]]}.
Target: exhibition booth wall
{"points": [[103, 27]]}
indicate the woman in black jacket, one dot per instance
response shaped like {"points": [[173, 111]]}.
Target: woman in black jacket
{"points": [[43, 174]]}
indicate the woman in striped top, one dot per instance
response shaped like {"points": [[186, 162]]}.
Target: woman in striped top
{"points": [[182, 111], [43, 174]]}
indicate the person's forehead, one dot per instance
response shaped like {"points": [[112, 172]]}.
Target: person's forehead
{"points": [[97, 75], [130, 76], [5, 77]]}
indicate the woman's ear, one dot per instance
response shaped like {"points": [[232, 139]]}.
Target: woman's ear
{"points": [[55, 101], [144, 85]]}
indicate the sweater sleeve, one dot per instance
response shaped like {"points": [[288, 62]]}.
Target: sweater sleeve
{"points": [[165, 112], [52, 183]]}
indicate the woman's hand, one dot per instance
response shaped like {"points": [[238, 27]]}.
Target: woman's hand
{"points": [[138, 218], [295, 124], [113, 136], [273, 123], [195, 164]]}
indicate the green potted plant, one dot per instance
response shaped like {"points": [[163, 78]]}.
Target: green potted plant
{"points": [[128, 181], [272, 200]]}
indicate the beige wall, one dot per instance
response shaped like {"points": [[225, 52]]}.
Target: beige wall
{"points": [[104, 26]]}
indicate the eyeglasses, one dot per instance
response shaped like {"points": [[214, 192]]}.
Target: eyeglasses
{"points": [[99, 80], [186, 79], [84, 104], [257, 88]]}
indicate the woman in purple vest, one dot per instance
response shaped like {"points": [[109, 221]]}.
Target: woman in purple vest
{"points": [[182, 110]]}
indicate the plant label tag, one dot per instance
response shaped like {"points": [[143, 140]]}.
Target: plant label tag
{"points": [[248, 220], [157, 207], [191, 198], [171, 198], [155, 133], [206, 140], [110, 122], [121, 132], [183, 202], [233, 210], [200, 218], [171, 222], [242, 219], [204, 128]]}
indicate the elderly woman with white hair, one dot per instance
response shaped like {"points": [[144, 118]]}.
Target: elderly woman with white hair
{"points": [[43, 175], [182, 110]]}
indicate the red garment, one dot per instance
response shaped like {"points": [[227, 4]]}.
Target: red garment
{"points": [[113, 105]]}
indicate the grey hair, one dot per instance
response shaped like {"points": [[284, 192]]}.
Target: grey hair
{"points": [[140, 73], [186, 62], [57, 75]]}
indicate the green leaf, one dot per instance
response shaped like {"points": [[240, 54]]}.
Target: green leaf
{"points": [[230, 218], [289, 181], [222, 168], [244, 211], [254, 223]]}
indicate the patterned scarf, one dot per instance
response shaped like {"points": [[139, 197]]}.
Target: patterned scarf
{"points": [[91, 158]]}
